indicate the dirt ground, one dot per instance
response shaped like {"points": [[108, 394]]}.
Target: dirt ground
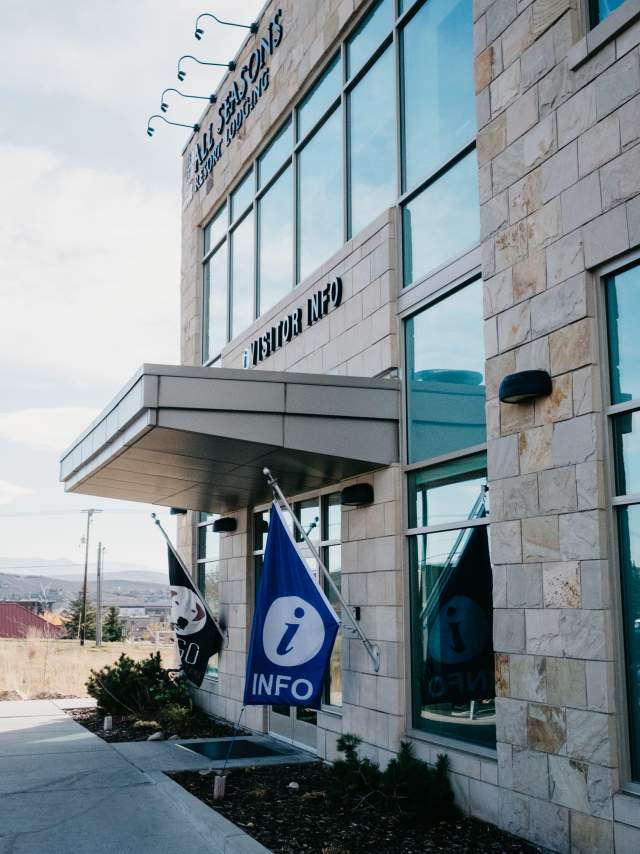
{"points": [[37, 668], [128, 728]]}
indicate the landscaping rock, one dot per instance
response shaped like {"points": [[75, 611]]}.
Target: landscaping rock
{"points": [[156, 736]]}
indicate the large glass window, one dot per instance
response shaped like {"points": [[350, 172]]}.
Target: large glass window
{"points": [[445, 375], [452, 604], [622, 290], [215, 303], [272, 159], [320, 220], [275, 241], [369, 35], [242, 275], [320, 98], [601, 9], [208, 571], [372, 143]]}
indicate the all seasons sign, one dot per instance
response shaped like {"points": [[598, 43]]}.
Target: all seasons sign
{"points": [[290, 326], [239, 102]]}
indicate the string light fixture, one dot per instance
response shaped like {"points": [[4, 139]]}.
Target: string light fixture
{"points": [[151, 130], [199, 32], [231, 66], [164, 106]]}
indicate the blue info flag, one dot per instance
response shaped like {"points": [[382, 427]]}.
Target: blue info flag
{"points": [[294, 627]]}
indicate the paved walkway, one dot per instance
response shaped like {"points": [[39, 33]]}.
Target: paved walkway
{"points": [[63, 790]]}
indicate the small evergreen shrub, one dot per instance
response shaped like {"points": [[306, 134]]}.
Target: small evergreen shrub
{"points": [[408, 785], [142, 688], [175, 718]]}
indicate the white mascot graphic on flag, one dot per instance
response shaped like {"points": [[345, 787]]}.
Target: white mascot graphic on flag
{"points": [[187, 614]]}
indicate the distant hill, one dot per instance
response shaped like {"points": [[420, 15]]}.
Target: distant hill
{"points": [[67, 570]]}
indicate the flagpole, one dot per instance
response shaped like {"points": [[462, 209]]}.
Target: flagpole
{"points": [[372, 649], [225, 633]]}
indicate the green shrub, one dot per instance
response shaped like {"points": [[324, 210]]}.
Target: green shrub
{"points": [[143, 688], [175, 718], [407, 785]]}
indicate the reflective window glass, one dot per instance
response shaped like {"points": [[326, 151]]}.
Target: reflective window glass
{"points": [[320, 97], [445, 375], [372, 138], [368, 35], [629, 537], [308, 513], [442, 221], [215, 303], [208, 543], [453, 492], [623, 309], [333, 690], [275, 155], [242, 275], [333, 520], [600, 9], [438, 90], [626, 439], [215, 230], [320, 228], [260, 528], [452, 634], [275, 239], [242, 197]]}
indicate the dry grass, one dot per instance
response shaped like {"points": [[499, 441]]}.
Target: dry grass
{"points": [[37, 667]]}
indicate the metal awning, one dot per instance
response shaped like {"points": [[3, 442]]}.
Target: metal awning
{"points": [[198, 438]]}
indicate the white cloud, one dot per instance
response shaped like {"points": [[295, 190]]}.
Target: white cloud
{"points": [[10, 491], [49, 429]]}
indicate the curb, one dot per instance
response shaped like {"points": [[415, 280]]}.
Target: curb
{"points": [[224, 836]]}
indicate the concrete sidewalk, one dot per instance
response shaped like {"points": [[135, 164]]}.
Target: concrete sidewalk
{"points": [[63, 790]]}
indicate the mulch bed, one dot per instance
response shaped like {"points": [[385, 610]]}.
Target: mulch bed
{"points": [[306, 822], [125, 729]]}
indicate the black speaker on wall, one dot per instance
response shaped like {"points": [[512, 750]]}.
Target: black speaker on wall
{"points": [[357, 494], [225, 525]]}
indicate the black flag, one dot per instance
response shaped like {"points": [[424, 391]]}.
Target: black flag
{"points": [[197, 634]]}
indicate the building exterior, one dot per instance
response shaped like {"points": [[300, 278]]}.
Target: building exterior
{"points": [[392, 206], [18, 621]]}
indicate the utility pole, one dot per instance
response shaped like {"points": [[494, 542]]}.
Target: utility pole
{"points": [[101, 551], [83, 615]]}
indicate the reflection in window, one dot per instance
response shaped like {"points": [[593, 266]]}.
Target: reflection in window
{"points": [[242, 277], [626, 440], [629, 535], [215, 230], [333, 690], [242, 197], [320, 196], [445, 374], [275, 239], [275, 155], [623, 310], [215, 303], [438, 91], [600, 9], [442, 221], [320, 98], [368, 35], [372, 143], [447, 493], [208, 572]]}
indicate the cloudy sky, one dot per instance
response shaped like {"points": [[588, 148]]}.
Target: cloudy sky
{"points": [[89, 240]]}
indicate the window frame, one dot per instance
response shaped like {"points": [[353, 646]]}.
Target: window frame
{"points": [[212, 672]]}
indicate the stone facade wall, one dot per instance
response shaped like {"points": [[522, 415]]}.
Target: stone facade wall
{"points": [[559, 176]]}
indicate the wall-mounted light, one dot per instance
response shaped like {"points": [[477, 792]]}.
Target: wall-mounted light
{"points": [[231, 66], [164, 106], [151, 131], [356, 494], [524, 386], [225, 525], [177, 511], [199, 32]]}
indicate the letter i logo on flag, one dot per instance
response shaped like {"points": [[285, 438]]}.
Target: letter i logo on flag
{"points": [[294, 627]]}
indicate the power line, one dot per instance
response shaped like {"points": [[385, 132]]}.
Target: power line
{"points": [[68, 513]]}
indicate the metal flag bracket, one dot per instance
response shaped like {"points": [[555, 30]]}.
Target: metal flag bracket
{"points": [[223, 632], [372, 649]]}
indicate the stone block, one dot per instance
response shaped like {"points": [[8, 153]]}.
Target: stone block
{"points": [[520, 496], [617, 84], [584, 634], [565, 258], [540, 539], [540, 142], [530, 772], [576, 115], [572, 347], [514, 324], [533, 356], [502, 457], [583, 535], [537, 60], [544, 225], [492, 139], [499, 15], [546, 12], [595, 584], [508, 166], [566, 682], [559, 306], [498, 293], [558, 493], [561, 584], [517, 37], [590, 484], [599, 144], [625, 809], [485, 185], [581, 786], [581, 202], [505, 88], [556, 88], [530, 276], [543, 632], [586, 391], [620, 178], [494, 215], [525, 196], [511, 721], [483, 68], [495, 370], [516, 418], [627, 839], [606, 237], [522, 115], [590, 835], [549, 826], [535, 449], [633, 220], [591, 737], [514, 810], [510, 244], [600, 686], [546, 728], [528, 677], [629, 117], [508, 630], [576, 441], [557, 406], [559, 171], [502, 672], [524, 585]]}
